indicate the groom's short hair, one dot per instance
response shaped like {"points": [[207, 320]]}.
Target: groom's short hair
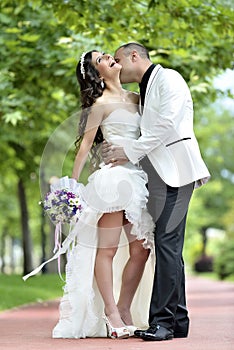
{"points": [[129, 47]]}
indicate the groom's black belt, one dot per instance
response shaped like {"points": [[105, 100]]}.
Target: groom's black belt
{"points": [[172, 143]]}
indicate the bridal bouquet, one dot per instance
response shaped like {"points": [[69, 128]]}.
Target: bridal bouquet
{"points": [[63, 204]]}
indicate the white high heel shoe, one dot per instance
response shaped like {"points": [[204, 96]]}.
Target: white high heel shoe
{"points": [[131, 329], [116, 333]]}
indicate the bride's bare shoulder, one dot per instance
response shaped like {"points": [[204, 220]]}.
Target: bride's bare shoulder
{"points": [[133, 97]]}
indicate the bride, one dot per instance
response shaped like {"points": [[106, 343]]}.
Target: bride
{"points": [[114, 235]]}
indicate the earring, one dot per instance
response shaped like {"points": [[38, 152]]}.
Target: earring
{"points": [[102, 84]]}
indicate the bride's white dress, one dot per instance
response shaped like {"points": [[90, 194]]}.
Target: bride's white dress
{"points": [[109, 189]]}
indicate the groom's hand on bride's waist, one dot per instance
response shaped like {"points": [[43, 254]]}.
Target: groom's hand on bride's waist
{"points": [[112, 154]]}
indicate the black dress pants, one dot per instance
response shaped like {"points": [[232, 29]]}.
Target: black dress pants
{"points": [[168, 206]]}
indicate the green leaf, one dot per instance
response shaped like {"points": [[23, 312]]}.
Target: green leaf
{"points": [[29, 37], [13, 117], [14, 30]]}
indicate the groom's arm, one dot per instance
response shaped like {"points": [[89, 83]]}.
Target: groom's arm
{"points": [[114, 155], [128, 151]]}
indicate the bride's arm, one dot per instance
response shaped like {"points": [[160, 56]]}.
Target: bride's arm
{"points": [[93, 122], [83, 152]]}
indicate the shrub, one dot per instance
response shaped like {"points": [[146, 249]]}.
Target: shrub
{"points": [[224, 261], [204, 264]]}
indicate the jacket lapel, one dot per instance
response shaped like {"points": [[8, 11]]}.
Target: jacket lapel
{"points": [[149, 85], [151, 79], [140, 106]]}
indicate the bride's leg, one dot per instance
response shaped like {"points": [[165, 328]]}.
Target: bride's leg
{"points": [[132, 274], [110, 226]]}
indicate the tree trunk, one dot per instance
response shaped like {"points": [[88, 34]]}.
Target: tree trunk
{"points": [[204, 239], [12, 254], [44, 189], [43, 241], [3, 249], [26, 237]]}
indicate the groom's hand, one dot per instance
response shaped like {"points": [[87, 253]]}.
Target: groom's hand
{"points": [[114, 155]]}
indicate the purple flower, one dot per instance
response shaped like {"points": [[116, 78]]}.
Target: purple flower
{"points": [[59, 207]]}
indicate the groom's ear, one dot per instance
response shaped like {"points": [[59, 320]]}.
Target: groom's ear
{"points": [[134, 55]]}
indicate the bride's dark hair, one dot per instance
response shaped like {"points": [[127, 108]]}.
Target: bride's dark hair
{"points": [[90, 89]]}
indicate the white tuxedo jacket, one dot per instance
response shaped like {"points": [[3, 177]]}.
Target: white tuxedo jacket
{"points": [[167, 135]]}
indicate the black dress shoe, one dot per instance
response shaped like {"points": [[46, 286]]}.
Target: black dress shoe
{"points": [[157, 333], [139, 332]]}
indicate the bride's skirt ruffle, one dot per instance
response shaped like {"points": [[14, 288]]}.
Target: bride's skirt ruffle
{"points": [[112, 189]]}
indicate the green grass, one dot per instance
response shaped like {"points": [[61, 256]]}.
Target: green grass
{"points": [[213, 276], [15, 292]]}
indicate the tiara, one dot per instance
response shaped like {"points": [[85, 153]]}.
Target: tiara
{"points": [[82, 70]]}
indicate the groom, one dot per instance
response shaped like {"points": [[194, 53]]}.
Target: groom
{"points": [[168, 151]]}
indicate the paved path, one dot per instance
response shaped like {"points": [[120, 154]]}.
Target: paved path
{"points": [[211, 306]]}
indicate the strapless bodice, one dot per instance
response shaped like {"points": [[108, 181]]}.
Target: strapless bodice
{"points": [[121, 123]]}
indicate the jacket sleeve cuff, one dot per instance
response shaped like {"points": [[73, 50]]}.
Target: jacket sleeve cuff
{"points": [[133, 155]]}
